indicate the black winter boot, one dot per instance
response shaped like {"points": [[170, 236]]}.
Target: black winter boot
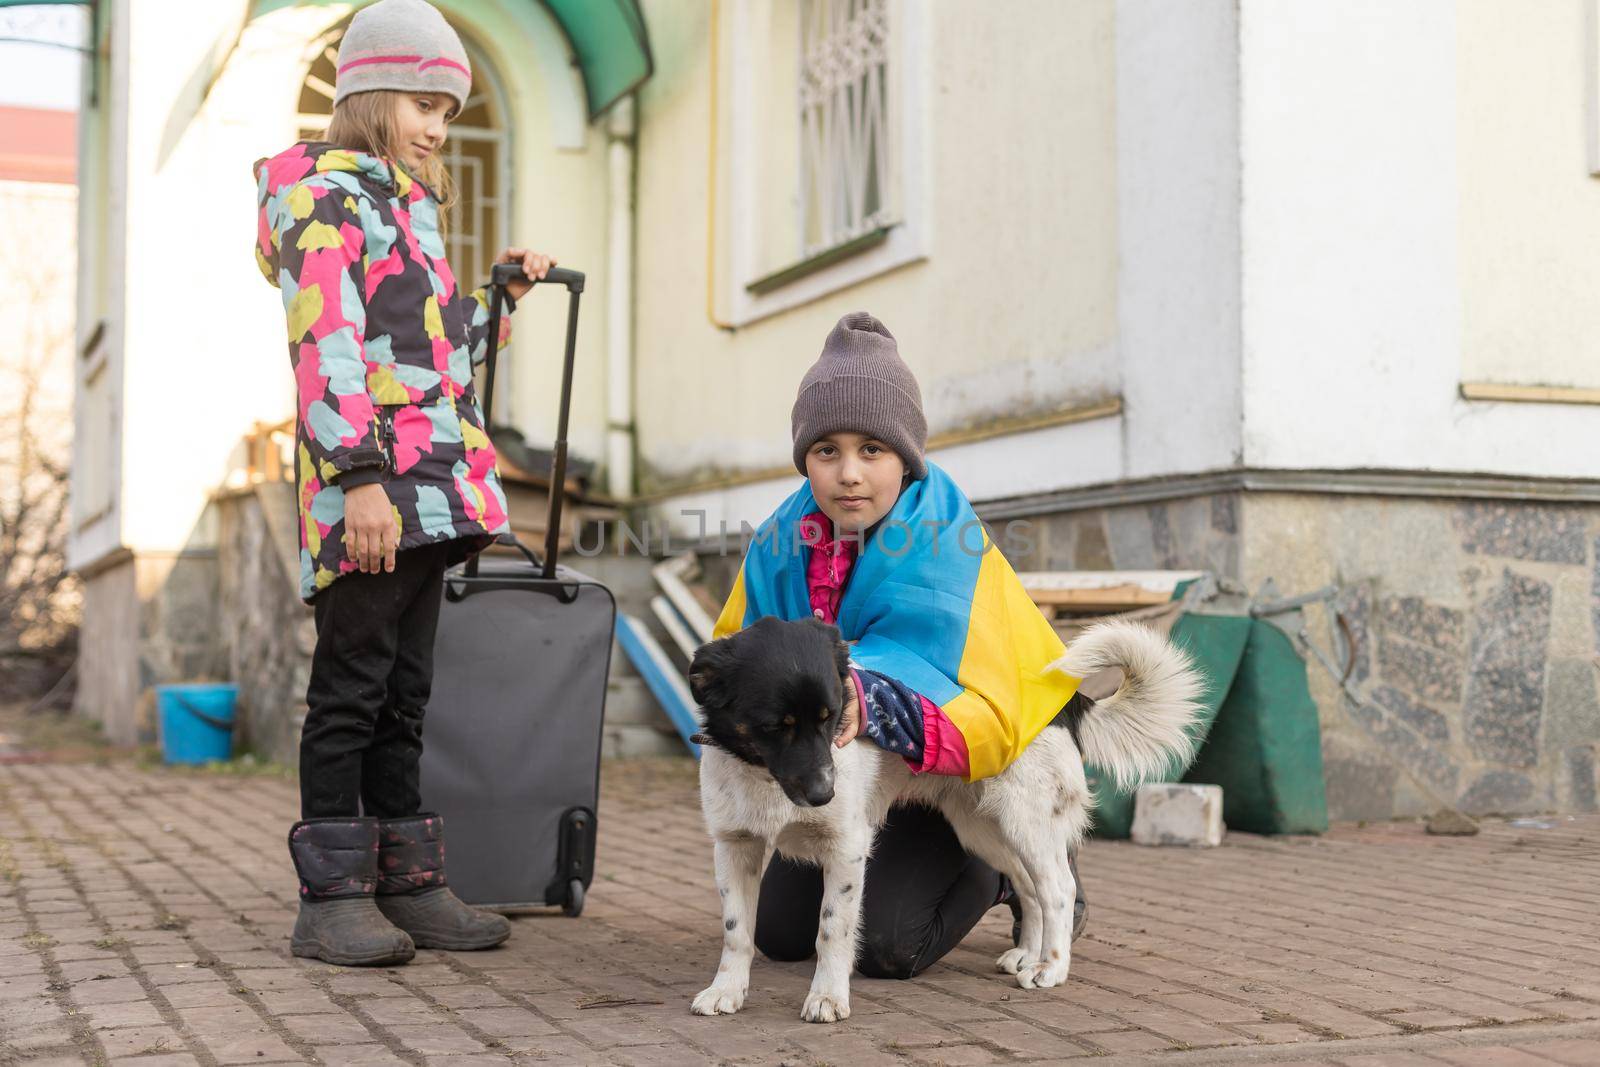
{"points": [[337, 861], [1011, 900], [1080, 905], [413, 895]]}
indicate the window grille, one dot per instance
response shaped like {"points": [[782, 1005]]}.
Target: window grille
{"points": [[844, 120]]}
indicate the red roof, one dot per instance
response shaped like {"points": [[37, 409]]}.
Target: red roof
{"points": [[38, 145]]}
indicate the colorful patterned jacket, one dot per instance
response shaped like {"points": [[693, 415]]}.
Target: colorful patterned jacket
{"points": [[934, 612], [383, 346]]}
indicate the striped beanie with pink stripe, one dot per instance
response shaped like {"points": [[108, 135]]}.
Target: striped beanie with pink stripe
{"points": [[404, 45]]}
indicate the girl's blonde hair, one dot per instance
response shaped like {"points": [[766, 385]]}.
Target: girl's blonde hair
{"points": [[365, 122]]}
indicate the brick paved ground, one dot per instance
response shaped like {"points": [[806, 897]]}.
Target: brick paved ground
{"points": [[144, 918]]}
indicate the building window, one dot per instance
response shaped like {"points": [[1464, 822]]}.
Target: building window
{"points": [[844, 120], [821, 174]]}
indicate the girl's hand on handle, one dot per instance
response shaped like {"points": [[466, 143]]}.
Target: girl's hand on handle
{"points": [[370, 537], [534, 265]]}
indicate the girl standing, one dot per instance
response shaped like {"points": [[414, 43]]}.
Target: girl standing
{"points": [[396, 475]]}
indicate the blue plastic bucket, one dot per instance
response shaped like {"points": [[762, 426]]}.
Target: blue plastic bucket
{"points": [[196, 721]]}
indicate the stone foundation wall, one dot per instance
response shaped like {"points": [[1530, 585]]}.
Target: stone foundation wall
{"points": [[1475, 628], [266, 632], [148, 620], [108, 658], [1192, 533]]}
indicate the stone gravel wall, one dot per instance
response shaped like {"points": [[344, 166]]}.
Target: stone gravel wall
{"points": [[1474, 626]]}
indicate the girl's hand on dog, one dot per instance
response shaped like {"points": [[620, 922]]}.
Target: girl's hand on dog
{"points": [[370, 535], [534, 265], [850, 723]]}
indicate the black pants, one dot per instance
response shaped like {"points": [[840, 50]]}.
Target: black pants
{"points": [[370, 677], [923, 894]]}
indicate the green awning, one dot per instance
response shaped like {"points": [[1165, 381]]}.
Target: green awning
{"points": [[608, 39]]}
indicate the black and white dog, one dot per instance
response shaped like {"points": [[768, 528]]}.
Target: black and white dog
{"points": [[773, 696]]}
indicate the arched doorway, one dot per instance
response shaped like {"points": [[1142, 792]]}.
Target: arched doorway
{"points": [[478, 153]]}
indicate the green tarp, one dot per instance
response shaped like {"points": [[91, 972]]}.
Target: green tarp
{"points": [[1261, 741]]}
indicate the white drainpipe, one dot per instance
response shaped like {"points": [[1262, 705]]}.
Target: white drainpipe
{"points": [[620, 128]]}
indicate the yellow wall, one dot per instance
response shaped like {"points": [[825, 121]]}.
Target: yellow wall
{"points": [[1012, 312], [1530, 210]]}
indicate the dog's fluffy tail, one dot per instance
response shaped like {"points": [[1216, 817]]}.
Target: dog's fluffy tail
{"points": [[1134, 733]]}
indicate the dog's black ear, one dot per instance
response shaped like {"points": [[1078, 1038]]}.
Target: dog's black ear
{"points": [[841, 651], [707, 669], [826, 627]]}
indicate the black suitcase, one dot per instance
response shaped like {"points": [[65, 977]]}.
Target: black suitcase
{"points": [[512, 731]]}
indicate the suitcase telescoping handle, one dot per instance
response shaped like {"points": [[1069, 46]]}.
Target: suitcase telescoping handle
{"points": [[500, 275]]}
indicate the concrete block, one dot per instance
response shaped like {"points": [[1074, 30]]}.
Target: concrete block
{"points": [[1178, 813]]}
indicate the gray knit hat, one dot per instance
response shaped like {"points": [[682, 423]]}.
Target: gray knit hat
{"points": [[404, 45], [861, 385]]}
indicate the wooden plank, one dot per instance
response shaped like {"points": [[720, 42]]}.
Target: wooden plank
{"points": [[666, 684], [1117, 596], [1529, 394], [1101, 592], [707, 602], [1165, 581]]}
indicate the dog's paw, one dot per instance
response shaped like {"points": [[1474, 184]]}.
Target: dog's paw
{"points": [[1013, 960], [826, 1008], [1041, 974], [718, 1000]]}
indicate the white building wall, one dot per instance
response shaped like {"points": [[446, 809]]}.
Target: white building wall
{"points": [[1324, 218], [1260, 225], [1083, 237], [1013, 310], [102, 229], [203, 353], [1355, 227], [1178, 303]]}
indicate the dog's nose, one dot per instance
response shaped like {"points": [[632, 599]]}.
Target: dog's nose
{"points": [[819, 793]]}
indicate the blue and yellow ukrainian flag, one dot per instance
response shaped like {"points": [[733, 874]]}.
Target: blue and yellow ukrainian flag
{"points": [[930, 602]]}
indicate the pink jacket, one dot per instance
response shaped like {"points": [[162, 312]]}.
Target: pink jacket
{"points": [[943, 749]]}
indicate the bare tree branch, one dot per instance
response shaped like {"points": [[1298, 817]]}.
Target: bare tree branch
{"points": [[39, 599]]}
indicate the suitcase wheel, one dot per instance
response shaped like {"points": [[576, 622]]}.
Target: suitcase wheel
{"points": [[574, 902]]}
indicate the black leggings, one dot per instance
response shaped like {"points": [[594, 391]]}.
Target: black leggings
{"points": [[923, 894], [371, 675]]}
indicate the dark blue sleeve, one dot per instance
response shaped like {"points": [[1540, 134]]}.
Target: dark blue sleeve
{"points": [[891, 714]]}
